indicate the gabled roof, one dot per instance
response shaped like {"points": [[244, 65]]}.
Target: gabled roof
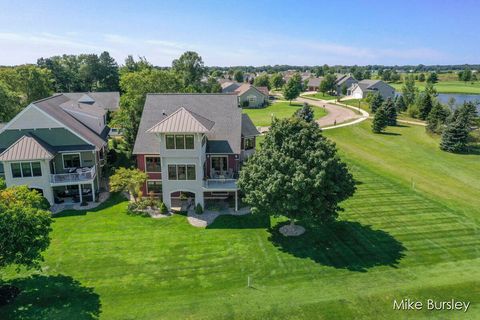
{"points": [[26, 148], [248, 128], [245, 87], [314, 82], [85, 108], [264, 90], [219, 108], [107, 100], [344, 78], [229, 87], [183, 121], [366, 84]]}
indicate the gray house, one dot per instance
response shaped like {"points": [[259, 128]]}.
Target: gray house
{"points": [[344, 81], [248, 95], [58, 146], [362, 88]]}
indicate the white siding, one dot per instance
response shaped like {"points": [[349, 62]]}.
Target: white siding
{"points": [[33, 118]]}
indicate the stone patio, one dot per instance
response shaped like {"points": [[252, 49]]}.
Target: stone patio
{"points": [[56, 208]]}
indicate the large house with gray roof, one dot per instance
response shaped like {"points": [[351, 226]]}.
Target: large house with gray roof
{"points": [[58, 145], [193, 145], [362, 88]]}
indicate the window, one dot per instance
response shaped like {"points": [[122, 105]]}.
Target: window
{"points": [[180, 141], [71, 160], [170, 142], [16, 171], [26, 169], [249, 143], [252, 100], [189, 143], [181, 172], [153, 164], [219, 164], [154, 187]]}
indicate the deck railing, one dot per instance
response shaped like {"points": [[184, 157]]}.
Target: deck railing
{"points": [[73, 177]]}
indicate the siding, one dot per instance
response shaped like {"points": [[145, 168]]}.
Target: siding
{"points": [[252, 92], [55, 137]]}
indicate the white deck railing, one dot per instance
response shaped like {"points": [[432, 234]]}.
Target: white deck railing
{"points": [[73, 177], [218, 183]]}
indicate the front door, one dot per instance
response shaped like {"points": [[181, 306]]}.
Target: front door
{"points": [[220, 164]]}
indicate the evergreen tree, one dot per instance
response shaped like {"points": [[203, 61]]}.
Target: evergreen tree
{"points": [[437, 118], [425, 105], [421, 77], [380, 121], [454, 137], [432, 78], [400, 104], [391, 112], [306, 113], [376, 102], [409, 90]]}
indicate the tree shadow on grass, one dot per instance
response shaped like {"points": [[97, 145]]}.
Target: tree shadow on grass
{"points": [[390, 133], [52, 297], [248, 221], [114, 199], [342, 245]]}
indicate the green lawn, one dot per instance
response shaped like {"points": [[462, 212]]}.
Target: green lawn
{"points": [[263, 117], [394, 241], [320, 96], [446, 86]]}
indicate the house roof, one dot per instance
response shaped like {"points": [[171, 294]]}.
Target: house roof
{"points": [[222, 109], [26, 148], [230, 87], [51, 106], [314, 82], [107, 100], [264, 90], [245, 87], [248, 128], [86, 108], [343, 79], [183, 121], [365, 84]]}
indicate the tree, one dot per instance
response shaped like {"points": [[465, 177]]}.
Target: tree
{"points": [[395, 77], [432, 78], [297, 173], [400, 104], [455, 135], [212, 86], [421, 77], [327, 84], [409, 90], [3, 184], [128, 180], [380, 120], [190, 68], [131, 65], [262, 81], [35, 82], [25, 224], [108, 78], [367, 74], [344, 89], [387, 75], [135, 86], [437, 118], [358, 74], [306, 113], [376, 102], [238, 75], [391, 112], [465, 75], [425, 104], [276, 81], [10, 103], [293, 87]]}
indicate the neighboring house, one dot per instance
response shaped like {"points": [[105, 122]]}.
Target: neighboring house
{"points": [[230, 86], [251, 96], [193, 144], [313, 84], [362, 88], [344, 81], [58, 146]]}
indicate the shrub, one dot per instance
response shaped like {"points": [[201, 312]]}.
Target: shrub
{"points": [[114, 143], [198, 209], [162, 207], [413, 111], [142, 204], [245, 104]]}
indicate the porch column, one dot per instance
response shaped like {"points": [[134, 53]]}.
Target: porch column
{"points": [[236, 200], [93, 192], [80, 192]]}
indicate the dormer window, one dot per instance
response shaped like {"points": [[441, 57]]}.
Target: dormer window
{"points": [[180, 141]]}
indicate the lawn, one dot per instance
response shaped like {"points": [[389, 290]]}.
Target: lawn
{"points": [[446, 86], [319, 96], [263, 117], [394, 240]]}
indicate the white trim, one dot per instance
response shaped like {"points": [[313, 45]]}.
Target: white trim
{"points": [[21, 169], [63, 160], [152, 156], [186, 171], [156, 180]]}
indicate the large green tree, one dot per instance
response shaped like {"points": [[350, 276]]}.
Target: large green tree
{"points": [[25, 224], [297, 173], [128, 180], [400, 103], [293, 88], [380, 120], [376, 102], [262, 81], [409, 90], [455, 136], [425, 104], [437, 118], [276, 81], [391, 112], [189, 66], [238, 75], [327, 84], [10, 102]]}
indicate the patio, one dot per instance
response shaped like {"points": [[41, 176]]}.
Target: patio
{"points": [[58, 207]]}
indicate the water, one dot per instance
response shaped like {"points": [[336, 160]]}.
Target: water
{"points": [[459, 98]]}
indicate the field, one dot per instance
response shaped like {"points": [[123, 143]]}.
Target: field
{"points": [[410, 231], [446, 86], [320, 96], [263, 117]]}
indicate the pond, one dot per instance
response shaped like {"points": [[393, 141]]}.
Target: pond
{"points": [[459, 98]]}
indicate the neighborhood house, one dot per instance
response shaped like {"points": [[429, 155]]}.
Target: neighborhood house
{"points": [[248, 95], [362, 88], [192, 146], [57, 146]]}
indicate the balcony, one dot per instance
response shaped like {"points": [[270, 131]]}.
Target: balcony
{"points": [[220, 184], [80, 175]]}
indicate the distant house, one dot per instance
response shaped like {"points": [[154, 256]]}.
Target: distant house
{"points": [[362, 88], [248, 95], [58, 145], [344, 81], [193, 145], [313, 84]]}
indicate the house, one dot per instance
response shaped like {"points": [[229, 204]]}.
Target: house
{"points": [[193, 145], [58, 146], [362, 88], [313, 84], [248, 95], [344, 81]]}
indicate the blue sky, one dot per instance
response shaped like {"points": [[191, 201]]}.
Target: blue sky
{"points": [[245, 32]]}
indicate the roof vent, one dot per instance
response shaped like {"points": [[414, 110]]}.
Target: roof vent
{"points": [[86, 99], [164, 112]]}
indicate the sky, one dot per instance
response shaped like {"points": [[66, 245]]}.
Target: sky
{"points": [[231, 33]]}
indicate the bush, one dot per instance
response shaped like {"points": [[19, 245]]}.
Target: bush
{"points": [[198, 209], [162, 207], [245, 104], [413, 111], [142, 204], [114, 143]]}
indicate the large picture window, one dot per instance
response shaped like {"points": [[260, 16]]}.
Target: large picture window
{"points": [[154, 186], [71, 160], [153, 164], [26, 169], [180, 141], [181, 172]]}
